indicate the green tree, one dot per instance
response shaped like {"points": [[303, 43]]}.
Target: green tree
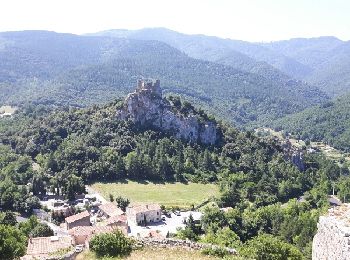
{"points": [[42, 230], [122, 203], [12, 242], [268, 247], [9, 219], [111, 244]]}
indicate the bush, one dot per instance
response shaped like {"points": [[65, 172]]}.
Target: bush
{"points": [[42, 230], [111, 244], [215, 251], [268, 247]]}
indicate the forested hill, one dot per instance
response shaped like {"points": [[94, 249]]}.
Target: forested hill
{"points": [[86, 145], [61, 69], [329, 123], [80, 146], [238, 54], [322, 61]]}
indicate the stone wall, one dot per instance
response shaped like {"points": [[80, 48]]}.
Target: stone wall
{"points": [[332, 240], [184, 244]]}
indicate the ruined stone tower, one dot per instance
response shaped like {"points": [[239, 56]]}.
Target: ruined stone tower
{"points": [[150, 85]]}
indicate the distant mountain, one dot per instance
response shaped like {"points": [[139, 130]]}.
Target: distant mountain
{"points": [[323, 61], [329, 123], [310, 52], [328, 58], [333, 75], [66, 69], [238, 54]]}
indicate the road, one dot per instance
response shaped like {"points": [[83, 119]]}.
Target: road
{"points": [[91, 191], [56, 229], [170, 225]]}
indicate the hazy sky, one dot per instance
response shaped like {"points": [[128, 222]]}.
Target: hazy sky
{"points": [[252, 20]]}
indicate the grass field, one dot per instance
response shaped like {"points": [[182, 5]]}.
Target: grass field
{"points": [[152, 253], [168, 194]]}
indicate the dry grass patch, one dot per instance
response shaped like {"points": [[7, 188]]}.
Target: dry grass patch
{"points": [[148, 253]]}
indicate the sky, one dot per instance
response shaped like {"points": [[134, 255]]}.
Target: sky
{"points": [[250, 20]]}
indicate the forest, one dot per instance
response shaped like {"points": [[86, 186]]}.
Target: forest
{"points": [[78, 146]]}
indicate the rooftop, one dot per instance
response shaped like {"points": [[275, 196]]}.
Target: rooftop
{"points": [[41, 246], [78, 216], [144, 208], [111, 209], [89, 231], [116, 219]]}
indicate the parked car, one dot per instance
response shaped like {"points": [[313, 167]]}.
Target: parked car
{"points": [[177, 213], [79, 248]]}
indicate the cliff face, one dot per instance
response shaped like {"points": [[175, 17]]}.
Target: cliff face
{"points": [[332, 240], [146, 106], [294, 155]]}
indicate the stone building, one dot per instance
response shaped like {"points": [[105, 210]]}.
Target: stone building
{"points": [[144, 214], [45, 247], [110, 209], [80, 219], [82, 235]]}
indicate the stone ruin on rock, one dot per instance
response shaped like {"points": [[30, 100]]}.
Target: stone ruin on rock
{"points": [[148, 108]]}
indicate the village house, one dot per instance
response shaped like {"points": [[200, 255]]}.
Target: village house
{"points": [[110, 210], [44, 247], [82, 235], [118, 221], [144, 214], [80, 219]]}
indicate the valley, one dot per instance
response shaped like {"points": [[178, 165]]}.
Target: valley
{"points": [[157, 144]]}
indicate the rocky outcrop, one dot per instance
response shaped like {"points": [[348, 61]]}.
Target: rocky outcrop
{"points": [[332, 240], [147, 107], [294, 155]]}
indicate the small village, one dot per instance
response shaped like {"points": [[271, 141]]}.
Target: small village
{"points": [[94, 215]]}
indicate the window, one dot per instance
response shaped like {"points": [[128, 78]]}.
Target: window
{"points": [[157, 212]]}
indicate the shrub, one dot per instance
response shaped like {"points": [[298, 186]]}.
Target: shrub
{"points": [[215, 251], [111, 244], [268, 247]]}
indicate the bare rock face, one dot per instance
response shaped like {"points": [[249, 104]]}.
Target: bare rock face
{"points": [[294, 155], [146, 106], [332, 240]]}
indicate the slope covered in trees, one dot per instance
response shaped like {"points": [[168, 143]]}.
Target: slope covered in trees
{"points": [[74, 147], [322, 61], [329, 123], [64, 69], [238, 54], [327, 57]]}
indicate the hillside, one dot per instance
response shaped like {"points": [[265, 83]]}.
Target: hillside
{"points": [[53, 70], [322, 61], [242, 55], [329, 123], [327, 57], [87, 145]]}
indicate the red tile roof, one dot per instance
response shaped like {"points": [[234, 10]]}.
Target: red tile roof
{"points": [[42, 246], [111, 209], [144, 208], [116, 219], [90, 231], [87, 231], [78, 216]]}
